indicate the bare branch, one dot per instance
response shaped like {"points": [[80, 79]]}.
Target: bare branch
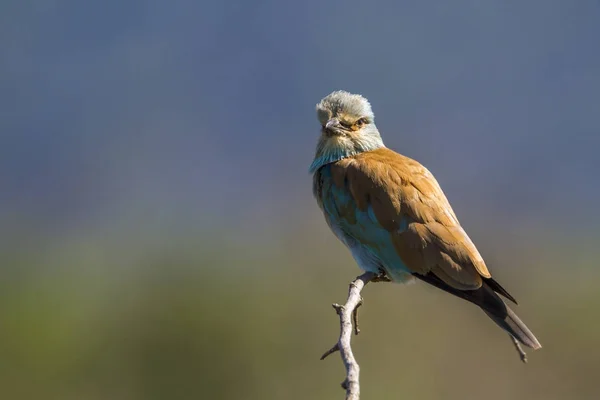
{"points": [[348, 314]]}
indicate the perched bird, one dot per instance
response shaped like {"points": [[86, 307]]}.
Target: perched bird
{"points": [[392, 215]]}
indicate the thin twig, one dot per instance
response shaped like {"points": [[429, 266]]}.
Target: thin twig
{"points": [[348, 314], [519, 349], [330, 351]]}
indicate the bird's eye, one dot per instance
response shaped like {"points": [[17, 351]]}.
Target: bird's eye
{"points": [[361, 122]]}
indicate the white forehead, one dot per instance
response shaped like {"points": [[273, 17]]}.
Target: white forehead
{"points": [[342, 102]]}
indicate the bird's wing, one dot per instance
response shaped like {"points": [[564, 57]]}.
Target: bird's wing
{"points": [[405, 199]]}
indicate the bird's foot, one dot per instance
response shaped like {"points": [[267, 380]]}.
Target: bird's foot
{"points": [[381, 277]]}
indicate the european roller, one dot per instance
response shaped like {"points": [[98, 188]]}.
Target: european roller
{"points": [[392, 215]]}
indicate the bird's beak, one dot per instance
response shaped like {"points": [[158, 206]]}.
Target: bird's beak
{"points": [[333, 124], [333, 127]]}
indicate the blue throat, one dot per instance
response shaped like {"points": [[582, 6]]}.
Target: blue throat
{"points": [[328, 158]]}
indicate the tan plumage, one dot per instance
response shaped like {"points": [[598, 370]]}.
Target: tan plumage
{"points": [[399, 188]]}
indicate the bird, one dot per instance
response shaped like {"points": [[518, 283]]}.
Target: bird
{"points": [[392, 215]]}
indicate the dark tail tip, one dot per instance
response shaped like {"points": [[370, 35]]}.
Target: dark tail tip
{"points": [[496, 287]]}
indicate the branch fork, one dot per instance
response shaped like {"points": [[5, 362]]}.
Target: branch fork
{"points": [[348, 314]]}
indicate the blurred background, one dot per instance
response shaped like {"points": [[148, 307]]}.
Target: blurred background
{"points": [[159, 239]]}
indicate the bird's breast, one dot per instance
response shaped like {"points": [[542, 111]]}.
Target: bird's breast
{"points": [[369, 242]]}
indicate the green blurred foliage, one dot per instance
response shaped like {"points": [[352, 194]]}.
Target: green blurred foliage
{"points": [[211, 317]]}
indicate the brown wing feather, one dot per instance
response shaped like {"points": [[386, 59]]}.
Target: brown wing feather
{"points": [[400, 189]]}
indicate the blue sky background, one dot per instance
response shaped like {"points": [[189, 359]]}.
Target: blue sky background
{"points": [[205, 110]]}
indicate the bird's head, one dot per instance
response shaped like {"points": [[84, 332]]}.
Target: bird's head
{"points": [[344, 114], [347, 128]]}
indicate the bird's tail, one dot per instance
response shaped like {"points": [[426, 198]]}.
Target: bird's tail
{"points": [[515, 327], [490, 302]]}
